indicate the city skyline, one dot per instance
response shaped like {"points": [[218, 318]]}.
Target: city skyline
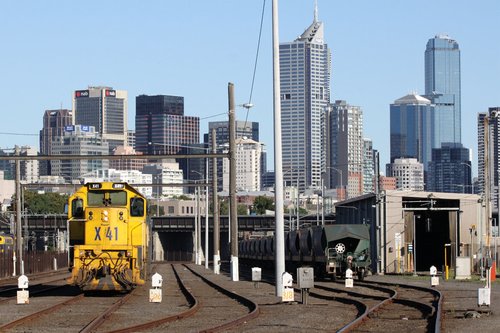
{"points": [[377, 57]]}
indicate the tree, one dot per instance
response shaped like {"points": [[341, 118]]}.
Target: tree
{"points": [[43, 203], [261, 204]]}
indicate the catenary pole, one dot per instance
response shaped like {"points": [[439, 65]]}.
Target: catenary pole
{"points": [[206, 213], [215, 205], [19, 236], [278, 167], [233, 212]]}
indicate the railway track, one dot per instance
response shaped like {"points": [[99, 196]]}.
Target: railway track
{"points": [[374, 306], [404, 308], [191, 302]]}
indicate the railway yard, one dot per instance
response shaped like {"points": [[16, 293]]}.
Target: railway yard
{"points": [[196, 300]]}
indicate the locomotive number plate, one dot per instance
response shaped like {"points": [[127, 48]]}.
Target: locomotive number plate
{"points": [[108, 232]]}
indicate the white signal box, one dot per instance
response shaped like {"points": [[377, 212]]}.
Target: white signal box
{"points": [[349, 282], [305, 277], [256, 274], [287, 293], [155, 294], [156, 280], [23, 296], [434, 277]]}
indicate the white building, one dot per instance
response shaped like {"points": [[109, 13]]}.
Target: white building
{"points": [[29, 169], [248, 166], [166, 172], [7, 190], [409, 174], [131, 177], [78, 140]]}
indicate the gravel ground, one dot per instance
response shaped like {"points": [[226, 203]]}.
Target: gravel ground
{"points": [[460, 310]]}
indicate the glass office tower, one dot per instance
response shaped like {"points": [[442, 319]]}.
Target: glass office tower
{"points": [[411, 128], [442, 88]]}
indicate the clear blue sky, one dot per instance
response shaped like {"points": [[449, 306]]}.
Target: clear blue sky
{"points": [[194, 48]]}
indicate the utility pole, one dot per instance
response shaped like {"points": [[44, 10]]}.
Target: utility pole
{"points": [[215, 205], [487, 184], [233, 211]]}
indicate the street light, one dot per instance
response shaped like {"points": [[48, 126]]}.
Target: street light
{"points": [[206, 211], [471, 180]]}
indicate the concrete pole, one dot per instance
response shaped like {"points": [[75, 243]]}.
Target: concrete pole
{"points": [[19, 235], [278, 167], [196, 225], [198, 212], [487, 195], [215, 205], [206, 213], [233, 211]]}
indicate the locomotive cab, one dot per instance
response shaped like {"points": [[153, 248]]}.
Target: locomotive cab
{"points": [[108, 237]]}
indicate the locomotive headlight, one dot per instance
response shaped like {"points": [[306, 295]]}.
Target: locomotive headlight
{"points": [[91, 215], [121, 216], [129, 253], [105, 216]]}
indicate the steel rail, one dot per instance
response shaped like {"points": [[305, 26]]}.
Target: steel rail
{"points": [[434, 321], [195, 305], [40, 313], [100, 319], [251, 305]]}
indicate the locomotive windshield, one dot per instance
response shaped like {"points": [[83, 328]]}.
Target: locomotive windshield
{"points": [[107, 198]]}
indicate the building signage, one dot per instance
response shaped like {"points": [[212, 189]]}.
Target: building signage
{"points": [[110, 93], [69, 128], [81, 93], [85, 128]]}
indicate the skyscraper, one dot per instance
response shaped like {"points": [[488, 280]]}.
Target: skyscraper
{"points": [[346, 149], [161, 126], [442, 88], [411, 126], [54, 123], [449, 169], [493, 123], [305, 69], [106, 110]]}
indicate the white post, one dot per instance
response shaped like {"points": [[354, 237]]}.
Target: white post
{"points": [[278, 167]]}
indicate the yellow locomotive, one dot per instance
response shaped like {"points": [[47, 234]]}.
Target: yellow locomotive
{"points": [[108, 233], [6, 242]]}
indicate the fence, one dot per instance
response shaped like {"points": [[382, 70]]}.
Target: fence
{"points": [[34, 262]]}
